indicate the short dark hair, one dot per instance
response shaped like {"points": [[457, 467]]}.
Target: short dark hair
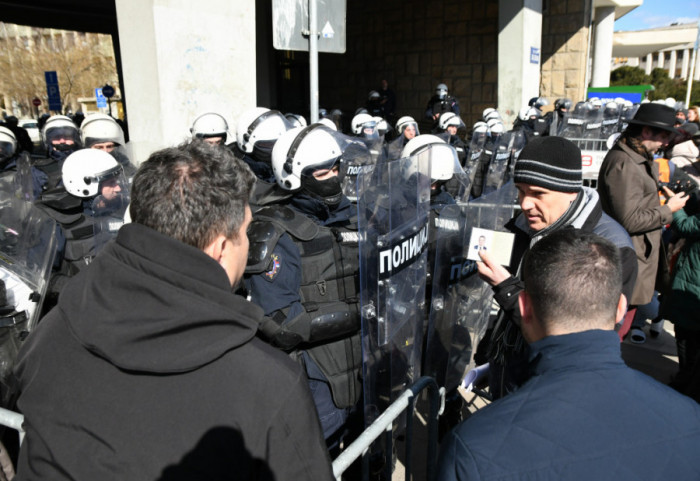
{"points": [[574, 280], [192, 193]]}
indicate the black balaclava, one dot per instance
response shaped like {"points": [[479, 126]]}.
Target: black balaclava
{"points": [[329, 190]]}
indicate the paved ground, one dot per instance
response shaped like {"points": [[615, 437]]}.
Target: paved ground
{"points": [[656, 358]]}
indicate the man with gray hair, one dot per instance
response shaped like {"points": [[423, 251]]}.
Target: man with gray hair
{"points": [[584, 414], [551, 195], [149, 367]]}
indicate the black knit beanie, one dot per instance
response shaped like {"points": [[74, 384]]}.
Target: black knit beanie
{"points": [[550, 162]]}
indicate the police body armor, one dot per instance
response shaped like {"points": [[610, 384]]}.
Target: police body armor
{"points": [[328, 329], [84, 234], [52, 169]]}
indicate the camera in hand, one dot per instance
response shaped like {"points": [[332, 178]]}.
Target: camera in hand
{"points": [[678, 186]]}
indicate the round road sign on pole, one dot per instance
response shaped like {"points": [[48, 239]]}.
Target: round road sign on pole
{"points": [[108, 91], [36, 102]]}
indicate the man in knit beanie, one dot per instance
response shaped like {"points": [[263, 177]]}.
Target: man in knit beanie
{"points": [[552, 197]]}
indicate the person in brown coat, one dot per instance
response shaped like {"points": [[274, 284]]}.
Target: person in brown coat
{"points": [[628, 189]]}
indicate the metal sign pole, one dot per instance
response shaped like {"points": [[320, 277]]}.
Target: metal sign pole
{"points": [[692, 68], [313, 61]]}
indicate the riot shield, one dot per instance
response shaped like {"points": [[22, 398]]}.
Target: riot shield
{"points": [[476, 147], [611, 119], [356, 158], [592, 129], [627, 114], [393, 209], [573, 125], [461, 302], [20, 185], [505, 153], [27, 250]]}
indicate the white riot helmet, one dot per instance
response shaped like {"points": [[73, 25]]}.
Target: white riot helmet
{"points": [[295, 120], [362, 121], [441, 91], [98, 128], [596, 103], [8, 143], [210, 125], [60, 127], [495, 127], [493, 116], [480, 126], [301, 151], [328, 123], [526, 113], [86, 170], [487, 112], [259, 124], [450, 119], [405, 122], [373, 95], [382, 125], [443, 157]]}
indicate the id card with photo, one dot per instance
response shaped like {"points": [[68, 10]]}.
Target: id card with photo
{"points": [[499, 245]]}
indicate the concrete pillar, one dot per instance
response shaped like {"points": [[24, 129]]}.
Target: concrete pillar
{"points": [[603, 45], [672, 64], [696, 73], [519, 54], [660, 60], [648, 64], [181, 59], [685, 64]]}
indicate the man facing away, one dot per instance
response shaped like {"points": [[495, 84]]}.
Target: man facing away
{"points": [[584, 414], [149, 367]]}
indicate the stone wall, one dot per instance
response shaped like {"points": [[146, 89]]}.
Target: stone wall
{"points": [[565, 43], [415, 45]]}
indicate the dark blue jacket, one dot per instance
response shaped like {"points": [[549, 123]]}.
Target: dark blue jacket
{"points": [[583, 415]]}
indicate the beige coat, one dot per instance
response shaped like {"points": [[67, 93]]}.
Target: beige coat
{"points": [[627, 184], [685, 156]]}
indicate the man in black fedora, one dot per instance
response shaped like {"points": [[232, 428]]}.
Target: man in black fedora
{"points": [[629, 193]]}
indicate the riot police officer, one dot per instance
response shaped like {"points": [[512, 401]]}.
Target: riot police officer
{"points": [[61, 138], [8, 159], [89, 209], [210, 127], [556, 119], [449, 124], [366, 128], [258, 130], [406, 129], [102, 132], [303, 271], [440, 103]]}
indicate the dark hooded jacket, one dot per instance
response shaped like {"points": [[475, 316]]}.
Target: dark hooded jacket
{"points": [[149, 368]]}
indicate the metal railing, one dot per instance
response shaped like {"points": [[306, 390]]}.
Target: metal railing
{"points": [[13, 420], [383, 425]]}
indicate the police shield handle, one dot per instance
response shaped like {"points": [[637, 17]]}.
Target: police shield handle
{"points": [[491, 272]]}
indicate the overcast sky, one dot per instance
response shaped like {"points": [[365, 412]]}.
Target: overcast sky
{"points": [[660, 13]]}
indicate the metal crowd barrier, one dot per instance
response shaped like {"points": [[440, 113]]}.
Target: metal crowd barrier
{"points": [[384, 426], [13, 420]]}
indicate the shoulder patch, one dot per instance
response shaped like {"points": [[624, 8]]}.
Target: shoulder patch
{"points": [[276, 264]]}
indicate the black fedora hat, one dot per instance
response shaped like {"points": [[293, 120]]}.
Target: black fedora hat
{"points": [[658, 116]]}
